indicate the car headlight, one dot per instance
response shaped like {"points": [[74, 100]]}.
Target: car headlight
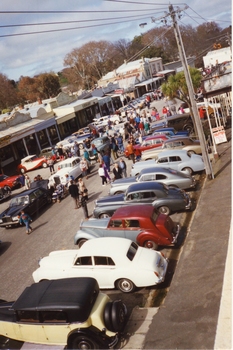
{"points": [[15, 218]]}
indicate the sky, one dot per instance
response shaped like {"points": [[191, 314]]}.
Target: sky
{"points": [[35, 36]]}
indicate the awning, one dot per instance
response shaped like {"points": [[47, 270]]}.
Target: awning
{"points": [[148, 81]]}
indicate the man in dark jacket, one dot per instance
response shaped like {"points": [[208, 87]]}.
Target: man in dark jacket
{"points": [[117, 172], [74, 192]]}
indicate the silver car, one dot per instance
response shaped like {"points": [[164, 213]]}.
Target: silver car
{"points": [[170, 177], [179, 160]]}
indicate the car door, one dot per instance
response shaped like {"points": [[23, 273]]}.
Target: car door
{"points": [[132, 229], [104, 271], [174, 162], [115, 229], [82, 267]]}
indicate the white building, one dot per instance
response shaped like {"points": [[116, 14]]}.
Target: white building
{"points": [[217, 56]]}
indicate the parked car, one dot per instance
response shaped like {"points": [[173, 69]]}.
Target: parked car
{"points": [[114, 262], [166, 199], [169, 177], [9, 181], [171, 132], [83, 132], [49, 152], [180, 160], [31, 201], [70, 166], [102, 144], [5, 192], [179, 142], [149, 142], [141, 224], [71, 312], [179, 122], [31, 163]]}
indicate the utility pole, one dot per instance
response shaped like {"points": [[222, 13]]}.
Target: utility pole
{"points": [[208, 167]]}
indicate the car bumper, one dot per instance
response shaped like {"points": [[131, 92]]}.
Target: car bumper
{"points": [[189, 205], [176, 232]]}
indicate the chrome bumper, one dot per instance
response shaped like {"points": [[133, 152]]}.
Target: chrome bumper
{"points": [[176, 233]]}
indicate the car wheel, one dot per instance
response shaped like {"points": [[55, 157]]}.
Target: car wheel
{"points": [[173, 186], [125, 285], [188, 170], [81, 242], [44, 165], [150, 245], [7, 189], [164, 210], [191, 152], [104, 215], [23, 170], [188, 128], [80, 146], [83, 342], [115, 315]]}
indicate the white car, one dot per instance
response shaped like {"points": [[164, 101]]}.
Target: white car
{"points": [[114, 262], [70, 166], [180, 160]]}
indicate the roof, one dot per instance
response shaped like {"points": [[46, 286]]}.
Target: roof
{"points": [[103, 245], [133, 211], [143, 186], [154, 170], [68, 160], [66, 293]]}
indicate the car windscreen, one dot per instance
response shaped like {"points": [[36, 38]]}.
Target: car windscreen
{"points": [[97, 142], [132, 251], [19, 201]]}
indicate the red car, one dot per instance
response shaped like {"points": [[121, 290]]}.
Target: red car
{"points": [[10, 181], [32, 162], [149, 142]]}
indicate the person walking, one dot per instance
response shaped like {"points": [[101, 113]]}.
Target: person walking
{"points": [[51, 165], [25, 219], [84, 167], [123, 167], [83, 203], [102, 175], [106, 160], [74, 192], [130, 150], [81, 185], [27, 182]]}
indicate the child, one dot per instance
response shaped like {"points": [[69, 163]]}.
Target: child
{"points": [[26, 219]]}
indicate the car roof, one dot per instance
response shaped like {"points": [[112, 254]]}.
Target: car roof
{"points": [[177, 116], [142, 186], [104, 246], [173, 152], [152, 137], [68, 160], [133, 211], [177, 138], [26, 192], [154, 170], [28, 157], [66, 293]]}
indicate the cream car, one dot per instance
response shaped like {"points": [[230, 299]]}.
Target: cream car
{"points": [[71, 312]]}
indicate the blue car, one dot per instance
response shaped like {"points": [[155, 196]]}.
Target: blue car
{"points": [[171, 132]]}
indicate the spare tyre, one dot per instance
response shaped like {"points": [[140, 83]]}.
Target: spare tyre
{"points": [[115, 315]]}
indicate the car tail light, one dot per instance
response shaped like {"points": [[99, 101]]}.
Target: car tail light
{"points": [[156, 273]]}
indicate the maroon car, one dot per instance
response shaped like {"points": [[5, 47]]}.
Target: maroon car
{"points": [[142, 224], [149, 142]]}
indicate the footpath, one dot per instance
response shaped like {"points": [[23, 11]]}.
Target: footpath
{"points": [[196, 313]]}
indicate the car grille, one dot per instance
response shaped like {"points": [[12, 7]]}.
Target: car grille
{"points": [[6, 219]]}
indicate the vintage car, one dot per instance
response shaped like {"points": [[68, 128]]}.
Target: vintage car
{"points": [[30, 200], [180, 160], [150, 142], [171, 132], [179, 142], [9, 181], [141, 224], [169, 177], [114, 262], [102, 144], [70, 166], [166, 199], [50, 152], [71, 312], [5, 192], [31, 163], [179, 122]]}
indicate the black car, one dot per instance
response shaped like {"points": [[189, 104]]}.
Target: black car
{"points": [[30, 201], [162, 197], [179, 122]]}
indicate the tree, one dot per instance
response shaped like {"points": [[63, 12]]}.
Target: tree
{"points": [[8, 93], [176, 86]]}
